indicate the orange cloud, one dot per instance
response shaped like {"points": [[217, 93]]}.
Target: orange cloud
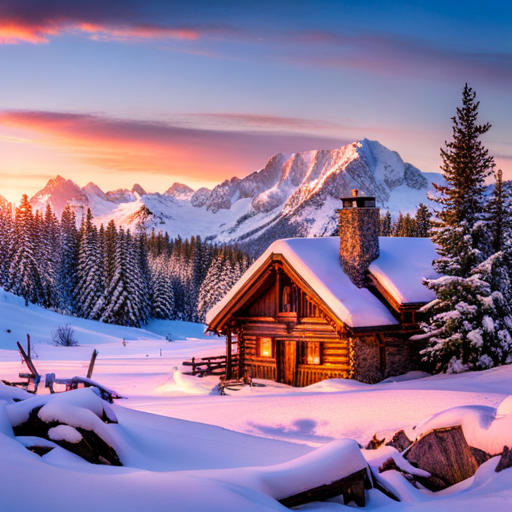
{"points": [[16, 32]]}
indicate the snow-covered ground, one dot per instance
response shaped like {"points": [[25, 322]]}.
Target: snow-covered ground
{"points": [[197, 450]]}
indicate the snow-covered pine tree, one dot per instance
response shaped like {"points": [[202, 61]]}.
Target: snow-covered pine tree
{"points": [[90, 286], [469, 325], [161, 288], [24, 277], [214, 286], [68, 260], [49, 252], [142, 259], [122, 304], [6, 235]]}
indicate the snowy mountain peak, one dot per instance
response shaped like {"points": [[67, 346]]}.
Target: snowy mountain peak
{"points": [[293, 195], [179, 191], [137, 189], [59, 192]]}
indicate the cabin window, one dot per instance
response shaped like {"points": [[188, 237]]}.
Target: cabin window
{"points": [[313, 353], [286, 300], [265, 347]]}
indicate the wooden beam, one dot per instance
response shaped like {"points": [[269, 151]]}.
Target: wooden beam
{"points": [[229, 369], [26, 357]]}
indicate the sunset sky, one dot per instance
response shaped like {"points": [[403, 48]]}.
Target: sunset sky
{"points": [[157, 91]]}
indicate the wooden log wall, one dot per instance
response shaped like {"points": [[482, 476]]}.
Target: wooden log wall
{"points": [[334, 352]]}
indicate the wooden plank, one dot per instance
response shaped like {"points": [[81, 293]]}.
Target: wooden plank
{"points": [[26, 357], [91, 364]]}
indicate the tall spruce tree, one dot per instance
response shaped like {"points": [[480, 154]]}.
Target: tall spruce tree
{"points": [[68, 261], [90, 286], [6, 235], [470, 324], [24, 275], [423, 221]]}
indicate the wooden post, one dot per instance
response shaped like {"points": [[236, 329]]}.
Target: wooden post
{"points": [[91, 364], [28, 346], [228, 355], [277, 301]]}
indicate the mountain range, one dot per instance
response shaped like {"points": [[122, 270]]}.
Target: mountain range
{"points": [[293, 195]]}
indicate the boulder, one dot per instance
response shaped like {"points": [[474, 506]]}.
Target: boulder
{"points": [[505, 461], [446, 455]]}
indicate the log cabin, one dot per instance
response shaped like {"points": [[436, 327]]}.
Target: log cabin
{"points": [[311, 309]]}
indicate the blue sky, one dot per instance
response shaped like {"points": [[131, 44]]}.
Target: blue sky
{"points": [[126, 91]]}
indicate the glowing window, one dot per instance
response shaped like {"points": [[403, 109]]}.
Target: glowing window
{"points": [[313, 353], [265, 347]]}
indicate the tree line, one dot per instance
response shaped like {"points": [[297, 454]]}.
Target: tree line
{"points": [[419, 225], [111, 274]]}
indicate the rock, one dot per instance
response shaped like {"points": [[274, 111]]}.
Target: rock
{"points": [[388, 465], [375, 443], [505, 461], [446, 455], [480, 455], [400, 441]]}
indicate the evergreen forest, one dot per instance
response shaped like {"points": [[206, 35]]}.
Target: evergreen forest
{"points": [[108, 273]]}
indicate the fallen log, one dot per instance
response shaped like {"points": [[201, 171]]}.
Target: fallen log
{"points": [[351, 487]]}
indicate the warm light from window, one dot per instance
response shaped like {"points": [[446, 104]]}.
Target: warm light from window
{"points": [[266, 347], [313, 353]]}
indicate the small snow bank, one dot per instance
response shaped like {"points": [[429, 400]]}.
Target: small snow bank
{"points": [[10, 393], [485, 428], [415, 375], [184, 384], [326, 386], [333, 461]]}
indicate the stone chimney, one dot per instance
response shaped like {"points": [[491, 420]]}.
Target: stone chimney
{"points": [[359, 236]]}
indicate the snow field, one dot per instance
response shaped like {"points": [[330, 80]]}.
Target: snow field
{"points": [[183, 446]]}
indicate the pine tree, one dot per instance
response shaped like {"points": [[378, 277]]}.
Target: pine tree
{"points": [[423, 223], [89, 291], [6, 235], [49, 251], [68, 261], [385, 224], [470, 325], [24, 277], [161, 288], [466, 165], [499, 212]]}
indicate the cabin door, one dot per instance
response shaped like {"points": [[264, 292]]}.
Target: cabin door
{"points": [[286, 361]]}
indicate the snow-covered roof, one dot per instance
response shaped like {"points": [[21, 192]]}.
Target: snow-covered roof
{"points": [[400, 269]]}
